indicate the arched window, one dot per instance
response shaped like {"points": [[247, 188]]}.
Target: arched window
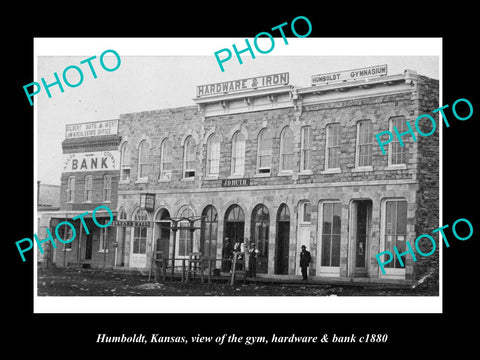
{"points": [[213, 155], [125, 162], [185, 242], [122, 214], [259, 233], [166, 159], [162, 233], [189, 158], [140, 233], [208, 239], [305, 148], [331, 233], [238, 153], [264, 157], [394, 229], [286, 149], [143, 159]]}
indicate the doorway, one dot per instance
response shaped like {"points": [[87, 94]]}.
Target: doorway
{"points": [[162, 233], [234, 229], [360, 236], [88, 247], [283, 240], [304, 219]]}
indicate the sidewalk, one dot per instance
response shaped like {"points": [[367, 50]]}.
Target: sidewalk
{"points": [[109, 282]]}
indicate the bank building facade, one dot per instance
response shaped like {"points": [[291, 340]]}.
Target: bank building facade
{"points": [[261, 161]]}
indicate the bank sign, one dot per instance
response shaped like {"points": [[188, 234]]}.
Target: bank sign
{"points": [[243, 84], [91, 161], [349, 75]]}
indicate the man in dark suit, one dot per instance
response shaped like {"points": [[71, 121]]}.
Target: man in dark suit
{"points": [[305, 259]]}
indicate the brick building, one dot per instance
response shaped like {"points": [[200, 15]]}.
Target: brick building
{"points": [[262, 161], [89, 179]]}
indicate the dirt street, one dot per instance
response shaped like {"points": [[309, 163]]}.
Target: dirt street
{"points": [[83, 282]]}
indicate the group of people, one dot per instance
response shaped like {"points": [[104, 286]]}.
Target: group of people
{"points": [[239, 247], [253, 252]]}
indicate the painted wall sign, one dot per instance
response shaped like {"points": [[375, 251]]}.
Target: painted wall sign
{"points": [[243, 84], [235, 182], [96, 128], [349, 75], [129, 223], [91, 161]]}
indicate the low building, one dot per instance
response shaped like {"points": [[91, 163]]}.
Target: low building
{"points": [[48, 200]]}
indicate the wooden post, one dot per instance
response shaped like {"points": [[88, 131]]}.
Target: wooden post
{"points": [[78, 245], [173, 251], [209, 271], [183, 270], [233, 268], [164, 270]]}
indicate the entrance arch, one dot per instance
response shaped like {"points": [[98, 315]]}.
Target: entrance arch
{"points": [[208, 235], [233, 232], [282, 244]]}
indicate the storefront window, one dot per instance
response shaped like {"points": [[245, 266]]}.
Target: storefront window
{"points": [[331, 227], [395, 229], [166, 160]]}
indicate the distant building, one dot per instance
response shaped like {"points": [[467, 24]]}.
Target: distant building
{"points": [[48, 199]]}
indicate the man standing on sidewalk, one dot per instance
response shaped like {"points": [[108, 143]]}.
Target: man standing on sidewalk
{"points": [[305, 259]]}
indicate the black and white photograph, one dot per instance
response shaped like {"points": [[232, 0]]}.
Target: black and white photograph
{"points": [[233, 184], [264, 181]]}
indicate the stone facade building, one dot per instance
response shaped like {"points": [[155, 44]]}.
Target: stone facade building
{"points": [[260, 161]]}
